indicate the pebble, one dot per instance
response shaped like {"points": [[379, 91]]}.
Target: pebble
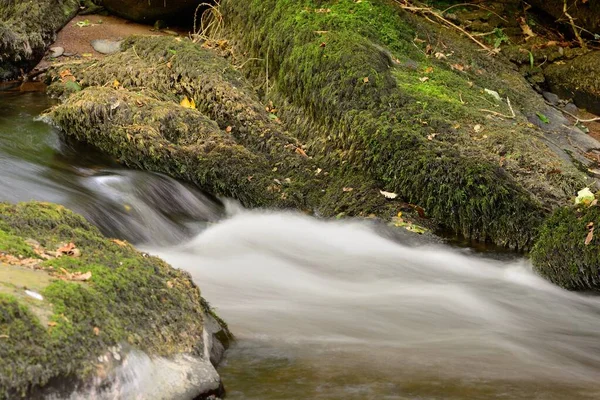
{"points": [[572, 109], [56, 52], [105, 46]]}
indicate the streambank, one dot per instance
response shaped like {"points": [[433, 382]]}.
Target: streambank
{"points": [[78, 308]]}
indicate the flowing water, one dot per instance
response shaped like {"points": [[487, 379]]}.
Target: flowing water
{"points": [[326, 310]]}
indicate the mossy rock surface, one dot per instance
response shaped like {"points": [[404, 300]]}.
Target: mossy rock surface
{"points": [[353, 83], [561, 254], [27, 28], [230, 145], [131, 298], [577, 79]]}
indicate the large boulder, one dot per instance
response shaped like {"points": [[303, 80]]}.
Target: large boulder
{"points": [[26, 29], [78, 312], [577, 79], [149, 11]]}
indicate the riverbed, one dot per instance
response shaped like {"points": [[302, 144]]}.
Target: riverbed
{"points": [[324, 309]]}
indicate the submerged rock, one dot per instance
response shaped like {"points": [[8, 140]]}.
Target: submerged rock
{"points": [[26, 29], [101, 305]]}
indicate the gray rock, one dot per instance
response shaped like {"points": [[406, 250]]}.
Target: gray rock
{"points": [[551, 98], [571, 109], [56, 52], [105, 46]]}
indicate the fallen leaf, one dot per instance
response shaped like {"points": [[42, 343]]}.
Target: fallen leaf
{"points": [[477, 128], [318, 171], [4, 337], [301, 152], [116, 84], [228, 129], [119, 242], [67, 248], [590, 236], [80, 277], [428, 70], [52, 323], [526, 28], [87, 55], [323, 44], [96, 331], [493, 93], [388, 195], [431, 136], [366, 79], [593, 203], [542, 117], [439, 55], [424, 79], [188, 103], [458, 67], [347, 189]]}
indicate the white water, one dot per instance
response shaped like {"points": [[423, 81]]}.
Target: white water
{"points": [[291, 281]]}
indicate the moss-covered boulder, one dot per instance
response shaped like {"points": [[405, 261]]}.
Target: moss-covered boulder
{"points": [[363, 84], [568, 250], [358, 115], [577, 79], [230, 144], [27, 28], [90, 307]]}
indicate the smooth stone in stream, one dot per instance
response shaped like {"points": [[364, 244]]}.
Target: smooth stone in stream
{"points": [[105, 46]]}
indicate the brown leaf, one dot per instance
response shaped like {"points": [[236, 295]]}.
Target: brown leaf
{"points": [[323, 44], [228, 129], [366, 79], [301, 152], [80, 277], [67, 248], [52, 323], [96, 331], [590, 236], [347, 189], [119, 242], [428, 70]]}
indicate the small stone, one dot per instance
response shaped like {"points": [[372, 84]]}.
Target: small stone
{"points": [[551, 98], [105, 46], [571, 109], [56, 52]]}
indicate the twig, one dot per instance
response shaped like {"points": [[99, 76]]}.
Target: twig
{"points": [[577, 119], [407, 5], [475, 5], [572, 21], [512, 112]]}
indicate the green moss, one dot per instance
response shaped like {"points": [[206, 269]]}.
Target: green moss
{"points": [[359, 94], [561, 255], [130, 297], [15, 245]]}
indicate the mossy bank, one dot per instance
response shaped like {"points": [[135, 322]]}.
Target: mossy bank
{"points": [[26, 29], [121, 298]]}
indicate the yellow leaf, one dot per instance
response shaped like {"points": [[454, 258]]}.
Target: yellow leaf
{"points": [[188, 103], [116, 84]]}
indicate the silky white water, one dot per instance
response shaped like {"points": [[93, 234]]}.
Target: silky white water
{"points": [[293, 286]]}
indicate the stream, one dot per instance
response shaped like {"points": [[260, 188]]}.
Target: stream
{"points": [[324, 310]]}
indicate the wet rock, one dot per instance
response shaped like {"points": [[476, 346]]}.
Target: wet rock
{"points": [[149, 11], [577, 79], [105, 46]]}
